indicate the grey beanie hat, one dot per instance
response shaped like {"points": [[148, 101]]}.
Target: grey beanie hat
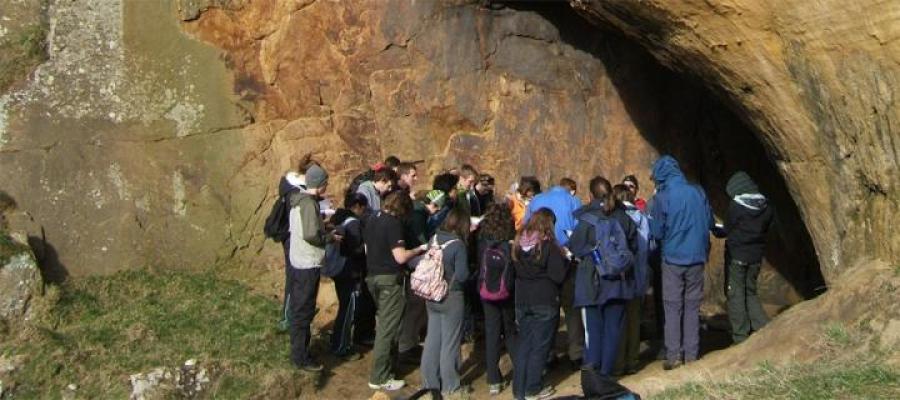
{"points": [[316, 177], [740, 183]]}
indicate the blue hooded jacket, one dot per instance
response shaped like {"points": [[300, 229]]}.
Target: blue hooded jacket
{"points": [[680, 217], [563, 204]]}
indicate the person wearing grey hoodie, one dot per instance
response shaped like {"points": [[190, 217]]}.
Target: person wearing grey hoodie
{"points": [[441, 353], [747, 224], [379, 186], [306, 250]]}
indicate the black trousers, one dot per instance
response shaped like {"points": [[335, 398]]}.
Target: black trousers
{"points": [[499, 323], [304, 288], [355, 320]]}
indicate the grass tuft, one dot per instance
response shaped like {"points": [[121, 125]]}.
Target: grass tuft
{"points": [[21, 52], [103, 329]]}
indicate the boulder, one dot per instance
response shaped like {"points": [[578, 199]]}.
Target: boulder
{"points": [[20, 279]]}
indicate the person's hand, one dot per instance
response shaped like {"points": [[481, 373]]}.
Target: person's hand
{"points": [[422, 248]]}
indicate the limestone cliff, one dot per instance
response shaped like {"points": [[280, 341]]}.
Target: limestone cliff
{"points": [[154, 135]]}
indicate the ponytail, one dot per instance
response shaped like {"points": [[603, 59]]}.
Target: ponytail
{"points": [[601, 190]]}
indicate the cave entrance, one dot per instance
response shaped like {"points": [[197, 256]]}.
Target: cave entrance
{"points": [[675, 114]]}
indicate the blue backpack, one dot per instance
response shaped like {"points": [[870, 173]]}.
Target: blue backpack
{"points": [[610, 256]]}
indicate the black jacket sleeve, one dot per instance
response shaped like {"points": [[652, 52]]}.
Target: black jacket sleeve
{"points": [[582, 241], [557, 265]]}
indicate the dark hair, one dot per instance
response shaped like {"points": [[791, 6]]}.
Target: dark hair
{"points": [[355, 199], [398, 204], [305, 162], [498, 223], [529, 183], [391, 162], [568, 183], [543, 221], [632, 179], [601, 190], [622, 194], [405, 168], [467, 170], [383, 174], [486, 179], [458, 223], [445, 182]]}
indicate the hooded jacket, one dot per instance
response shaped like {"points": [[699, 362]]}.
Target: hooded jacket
{"points": [[307, 241], [748, 220], [563, 204], [583, 242], [680, 217], [538, 278], [644, 246], [352, 246], [367, 189]]}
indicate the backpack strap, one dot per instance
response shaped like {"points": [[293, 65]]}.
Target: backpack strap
{"points": [[447, 243]]}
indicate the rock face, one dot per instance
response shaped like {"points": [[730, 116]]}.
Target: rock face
{"points": [[818, 85], [136, 144]]}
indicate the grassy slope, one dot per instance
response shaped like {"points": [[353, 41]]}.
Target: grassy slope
{"points": [[101, 330], [846, 370]]}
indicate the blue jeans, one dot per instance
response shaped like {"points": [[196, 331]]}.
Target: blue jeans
{"points": [[537, 323], [602, 330]]}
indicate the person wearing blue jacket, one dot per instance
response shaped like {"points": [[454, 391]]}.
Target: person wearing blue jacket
{"points": [[680, 220], [563, 204], [629, 346], [602, 300]]}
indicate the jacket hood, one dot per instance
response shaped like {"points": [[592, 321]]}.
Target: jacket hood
{"points": [[444, 236], [666, 169], [752, 201], [291, 181]]}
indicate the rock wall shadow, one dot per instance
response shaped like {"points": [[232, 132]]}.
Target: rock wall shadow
{"points": [[677, 115]]}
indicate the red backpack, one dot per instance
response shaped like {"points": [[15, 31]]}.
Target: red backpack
{"points": [[495, 266]]}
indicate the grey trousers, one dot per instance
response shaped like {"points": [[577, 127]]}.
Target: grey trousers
{"points": [[744, 310], [574, 324], [682, 294], [440, 355]]}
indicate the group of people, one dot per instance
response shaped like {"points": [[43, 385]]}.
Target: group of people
{"points": [[510, 264]]}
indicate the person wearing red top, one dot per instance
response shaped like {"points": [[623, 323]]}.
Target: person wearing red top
{"points": [[631, 183]]}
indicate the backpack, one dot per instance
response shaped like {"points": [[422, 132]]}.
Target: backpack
{"points": [[366, 175], [610, 255], [494, 274], [277, 225], [427, 281], [596, 386], [334, 262]]}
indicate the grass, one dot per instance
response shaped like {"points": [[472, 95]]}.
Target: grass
{"points": [[845, 371], [9, 247], [100, 330], [20, 52]]}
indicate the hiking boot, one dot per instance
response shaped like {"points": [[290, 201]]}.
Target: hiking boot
{"points": [[495, 389], [545, 393], [311, 366], [670, 365], [389, 385], [575, 365]]}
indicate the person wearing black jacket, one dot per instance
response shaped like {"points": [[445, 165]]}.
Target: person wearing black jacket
{"points": [[497, 231], [355, 319], [746, 227], [540, 268]]}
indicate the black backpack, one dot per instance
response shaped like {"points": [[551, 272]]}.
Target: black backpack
{"points": [[277, 224]]}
